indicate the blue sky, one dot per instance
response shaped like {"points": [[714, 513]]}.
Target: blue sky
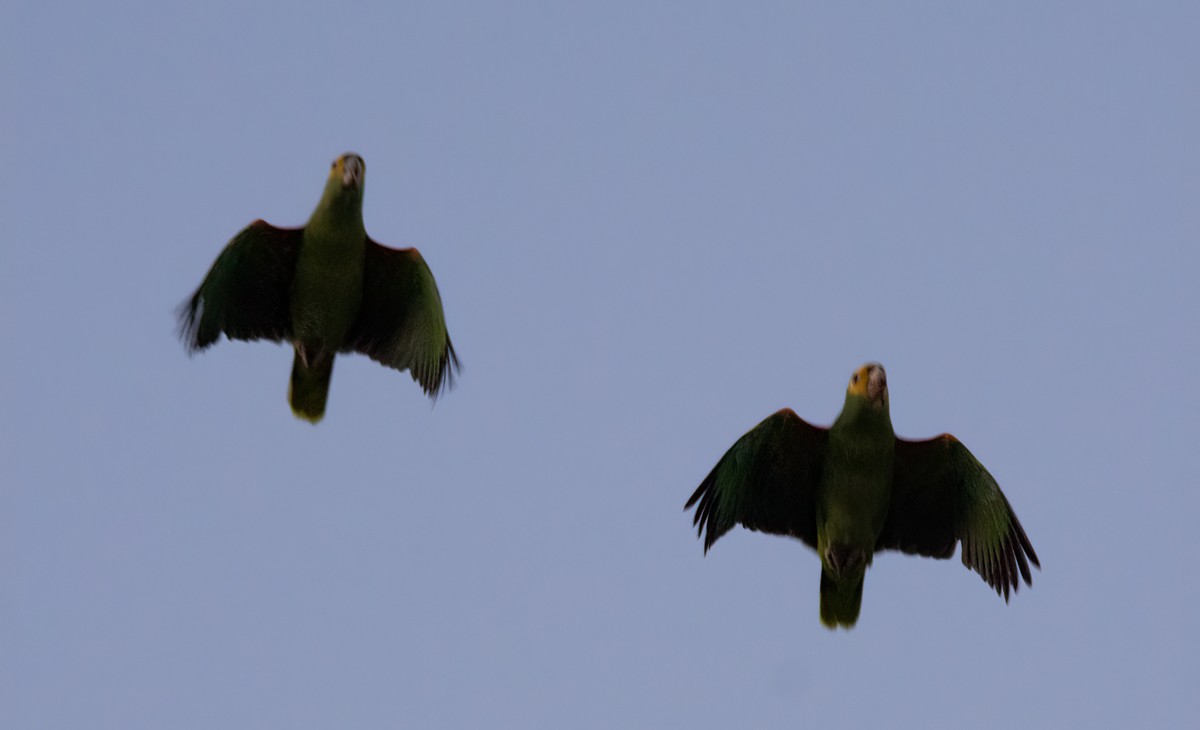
{"points": [[652, 224]]}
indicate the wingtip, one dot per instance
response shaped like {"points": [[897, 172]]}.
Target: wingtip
{"points": [[444, 377], [186, 324], [189, 318]]}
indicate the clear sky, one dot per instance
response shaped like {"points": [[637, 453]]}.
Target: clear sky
{"points": [[652, 225]]}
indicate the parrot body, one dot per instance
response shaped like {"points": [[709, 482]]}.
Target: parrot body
{"points": [[326, 295], [851, 506], [326, 288], [854, 489]]}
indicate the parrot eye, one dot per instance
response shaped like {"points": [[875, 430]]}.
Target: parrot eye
{"points": [[854, 379]]}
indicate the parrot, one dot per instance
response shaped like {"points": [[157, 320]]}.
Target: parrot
{"points": [[326, 288], [855, 488]]}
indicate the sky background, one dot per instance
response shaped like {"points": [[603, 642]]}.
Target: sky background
{"points": [[652, 225]]}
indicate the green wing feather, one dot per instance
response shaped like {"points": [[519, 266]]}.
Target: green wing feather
{"points": [[941, 494], [767, 481], [401, 323], [245, 295]]}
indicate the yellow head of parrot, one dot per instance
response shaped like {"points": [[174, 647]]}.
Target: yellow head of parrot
{"points": [[350, 169], [870, 382]]}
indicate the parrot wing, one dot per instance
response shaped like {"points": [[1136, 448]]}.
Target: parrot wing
{"points": [[401, 324], [767, 481], [246, 292], [942, 494]]}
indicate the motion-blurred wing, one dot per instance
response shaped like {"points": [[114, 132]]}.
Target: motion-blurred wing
{"points": [[942, 494], [767, 481], [245, 295], [401, 324]]}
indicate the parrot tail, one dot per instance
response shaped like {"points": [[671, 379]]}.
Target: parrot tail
{"points": [[310, 385], [840, 602]]}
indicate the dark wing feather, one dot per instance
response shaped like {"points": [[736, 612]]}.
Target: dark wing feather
{"points": [[767, 481], [401, 324], [942, 494], [246, 293]]}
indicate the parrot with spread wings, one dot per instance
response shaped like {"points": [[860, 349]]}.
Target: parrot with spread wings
{"points": [[325, 288], [854, 489]]}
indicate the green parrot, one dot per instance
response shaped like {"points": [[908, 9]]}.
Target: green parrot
{"points": [[853, 489], [326, 288]]}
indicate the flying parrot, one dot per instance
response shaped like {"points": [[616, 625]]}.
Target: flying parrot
{"points": [[853, 489], [326, 288]]}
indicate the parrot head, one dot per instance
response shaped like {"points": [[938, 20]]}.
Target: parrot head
{"points": [[341, 201], [870, 383], [350, 170], [867, 398]]}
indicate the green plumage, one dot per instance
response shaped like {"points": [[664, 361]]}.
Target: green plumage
{"points": [[854, 489], [326, 288]]}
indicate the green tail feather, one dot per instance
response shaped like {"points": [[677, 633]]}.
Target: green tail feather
{"points": [[840, 602], [310, 387]]}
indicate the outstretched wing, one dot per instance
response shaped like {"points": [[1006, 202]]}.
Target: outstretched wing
{"points": [[767, 481], [942, 494], [401, 324], [246, 292]]}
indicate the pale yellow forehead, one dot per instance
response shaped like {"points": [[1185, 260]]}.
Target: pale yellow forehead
{"points": [[339, 165], [869, 381], [859, 380]]}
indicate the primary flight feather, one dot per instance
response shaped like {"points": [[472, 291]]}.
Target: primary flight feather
{"points": [[853, 489], [325, 288]]}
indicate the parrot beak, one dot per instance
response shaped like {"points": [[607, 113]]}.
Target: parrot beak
{"points": [[877, 385], [353, 171]]}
